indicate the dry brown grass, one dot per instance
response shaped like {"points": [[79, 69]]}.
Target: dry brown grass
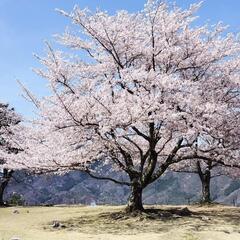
{"points": [[214, 222]]}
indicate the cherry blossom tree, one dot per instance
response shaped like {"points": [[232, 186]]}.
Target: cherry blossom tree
{"points": [[218, 150], [134, 91], [8, 118], [207, 170]]}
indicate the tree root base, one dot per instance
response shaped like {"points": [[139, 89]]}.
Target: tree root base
{"points": [[156, 214]]}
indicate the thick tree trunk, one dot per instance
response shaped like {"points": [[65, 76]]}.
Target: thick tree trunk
{"points": [[206, 197], [7, 174], [135, 199], [3, 186], [205, 177]]}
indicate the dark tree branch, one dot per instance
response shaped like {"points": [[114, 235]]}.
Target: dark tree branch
{"points": [[107, 178], [141, 134]]}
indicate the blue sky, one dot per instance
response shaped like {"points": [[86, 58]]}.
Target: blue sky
{"points": [[25, 24]]}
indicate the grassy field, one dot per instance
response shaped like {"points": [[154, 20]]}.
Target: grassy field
{"points": [[109, 223]]}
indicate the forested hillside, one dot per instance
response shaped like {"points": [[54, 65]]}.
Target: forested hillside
{"points": [[77, 188]]}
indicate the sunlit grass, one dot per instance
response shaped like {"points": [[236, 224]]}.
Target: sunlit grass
{"points": [[108, 222]]}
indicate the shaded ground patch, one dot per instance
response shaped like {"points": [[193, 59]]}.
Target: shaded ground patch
{"points": [[155, 220]]}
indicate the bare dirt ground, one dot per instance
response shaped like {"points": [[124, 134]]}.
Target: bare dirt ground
{"points": [[213, 222]]}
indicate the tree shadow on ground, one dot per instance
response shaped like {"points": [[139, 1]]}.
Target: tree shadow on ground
{"points": [[154, 221]]}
